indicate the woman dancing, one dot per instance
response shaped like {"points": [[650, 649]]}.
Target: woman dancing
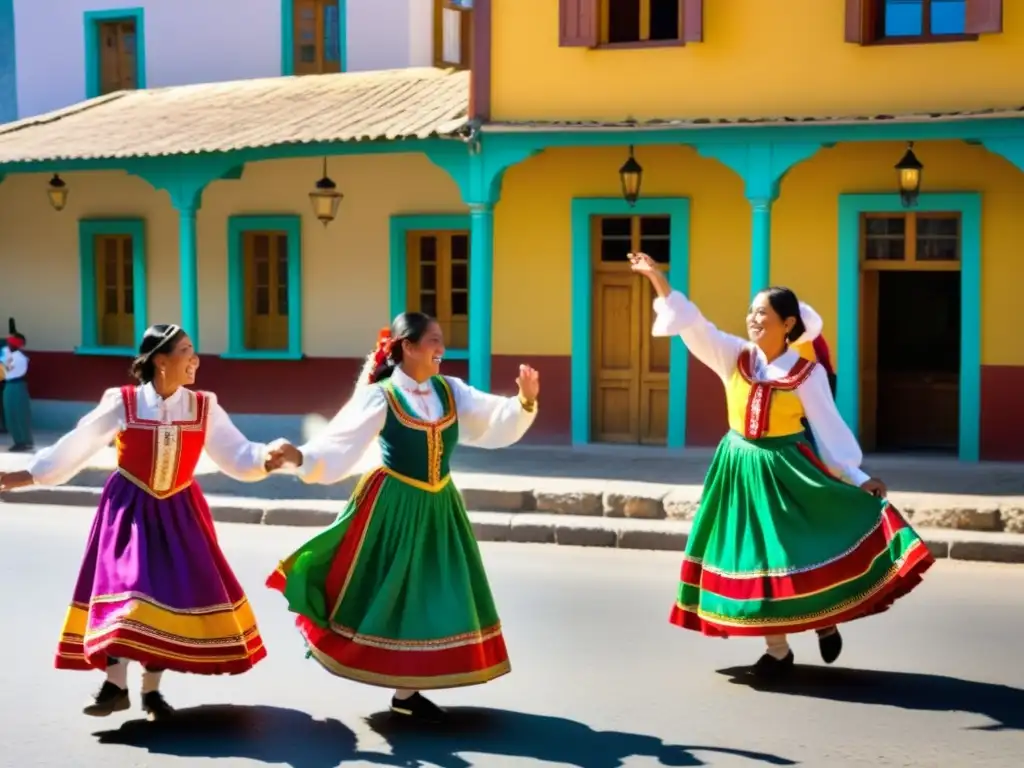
{"points": [[154, 586], [782, 542], [394, 593]]}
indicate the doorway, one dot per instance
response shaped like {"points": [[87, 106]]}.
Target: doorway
{"points": [[910, 332], [630, 376]]}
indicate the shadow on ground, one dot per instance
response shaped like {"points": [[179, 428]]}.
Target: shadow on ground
{"points": [[1003, 705], [494, 732], [471, 737], [264, 734]]}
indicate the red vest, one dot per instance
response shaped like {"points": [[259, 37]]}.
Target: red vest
{"points": [[161, 458]]}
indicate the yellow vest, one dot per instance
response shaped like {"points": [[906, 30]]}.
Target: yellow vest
{"points": [[760, 409]]}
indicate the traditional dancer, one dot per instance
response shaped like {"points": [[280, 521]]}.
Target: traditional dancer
{"points": [[17, 405], [154, 586], [394, 594], [780, 543]]}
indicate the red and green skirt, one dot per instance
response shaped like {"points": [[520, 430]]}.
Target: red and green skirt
{"points": [[394, 593], [780, 545]]}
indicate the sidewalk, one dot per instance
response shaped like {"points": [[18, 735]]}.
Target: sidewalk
{"points": [[628, 496]]}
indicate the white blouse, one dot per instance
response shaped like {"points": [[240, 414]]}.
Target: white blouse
{"points": [[16, 363], [485, 421], [225, 444], [719, 351]]}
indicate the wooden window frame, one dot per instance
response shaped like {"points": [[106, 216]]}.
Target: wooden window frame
{"points": [[238, 226], [910, 261], [289, 43], [88, 231], [465, 35], [864, 23], [442, 289], [584, 24], [93, 21]]}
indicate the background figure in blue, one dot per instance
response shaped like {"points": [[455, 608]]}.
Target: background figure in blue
{"points": [[819, 352], [17, 405]]}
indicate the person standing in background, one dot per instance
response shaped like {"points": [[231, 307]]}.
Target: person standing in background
{"points": [[17, 404]]}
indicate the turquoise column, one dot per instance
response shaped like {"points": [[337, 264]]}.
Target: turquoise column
{"points": [[761, 244], [481, 293], [188, 266], [762, 166]]}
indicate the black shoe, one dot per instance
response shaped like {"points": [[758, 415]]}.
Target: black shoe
{"points": [[830, 646], [21, 449], [417, 707], [770, 668], [156, 707], [107, 700]]}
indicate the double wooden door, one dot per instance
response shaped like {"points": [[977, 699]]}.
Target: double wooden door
{"points": [[630, 384]]}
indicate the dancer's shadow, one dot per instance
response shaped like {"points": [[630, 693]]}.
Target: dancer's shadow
{"points": [[265, 734], [928, 693], [495, 732]]}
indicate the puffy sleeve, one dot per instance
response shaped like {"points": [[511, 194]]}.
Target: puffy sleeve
{"points": [[229, 449], [69, 455], [336, 452], [676, 315], [489, 421], [838, 446]]}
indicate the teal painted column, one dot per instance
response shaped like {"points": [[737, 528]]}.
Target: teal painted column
{"points": [[762, 166], [761, 245], [188, 271], [481, 293]]}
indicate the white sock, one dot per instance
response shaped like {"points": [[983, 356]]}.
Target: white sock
{"points": [[117, 674], [778, 646], [402, 694], [151, 681], [827, 631]]}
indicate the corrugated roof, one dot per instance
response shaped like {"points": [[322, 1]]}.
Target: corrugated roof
{"points": [[220, 117], [782, 120]]}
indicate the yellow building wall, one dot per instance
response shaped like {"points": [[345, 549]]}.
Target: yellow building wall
{"points": [[344, 267], [532, 238], [805, 221], [760, 57], [532, 286]]}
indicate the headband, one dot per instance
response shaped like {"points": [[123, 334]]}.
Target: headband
{"points": [[171, 332]]}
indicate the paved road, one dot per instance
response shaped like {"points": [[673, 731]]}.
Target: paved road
{"points": [[600, 679]]}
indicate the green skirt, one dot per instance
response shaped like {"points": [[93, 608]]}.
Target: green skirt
{"points": [[394, 593], [780, 545]]}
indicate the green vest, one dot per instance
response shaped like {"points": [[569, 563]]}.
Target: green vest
{"points": [[416, 450]]}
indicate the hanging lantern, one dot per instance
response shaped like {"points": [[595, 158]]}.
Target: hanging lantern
{"points": [[325, 198], [909, 170], [57, 191], [631, 175]]}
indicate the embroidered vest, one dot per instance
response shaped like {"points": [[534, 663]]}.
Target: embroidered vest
{"points": [[760, 409], [159, 458], [415, 451]]}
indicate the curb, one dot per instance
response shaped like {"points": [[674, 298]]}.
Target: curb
{"points": [[541, 527]]}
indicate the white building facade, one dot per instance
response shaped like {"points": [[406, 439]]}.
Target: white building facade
{"points": [[58, 52]]}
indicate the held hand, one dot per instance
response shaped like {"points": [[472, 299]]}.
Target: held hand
{"points": [[12, 480], [281, 455], [529, 383], [875, 487]]}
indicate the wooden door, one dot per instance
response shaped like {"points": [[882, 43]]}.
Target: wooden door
{"points": [[115, 285], [437, 272], [317, 44], [630, 382], [266, 290], [910, 331], [117, 56]]}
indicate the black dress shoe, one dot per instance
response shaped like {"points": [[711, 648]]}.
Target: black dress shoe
{"points": [[107, 700], [830, 646], [417, 707], [770, 668], [156, 707]]}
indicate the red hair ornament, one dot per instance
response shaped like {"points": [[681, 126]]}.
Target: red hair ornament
{"points": [[382, 351]]}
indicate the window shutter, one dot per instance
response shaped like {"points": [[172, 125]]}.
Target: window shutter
{"points": [[693, 21], [984, 17], [577, 23], [856, 21]]}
